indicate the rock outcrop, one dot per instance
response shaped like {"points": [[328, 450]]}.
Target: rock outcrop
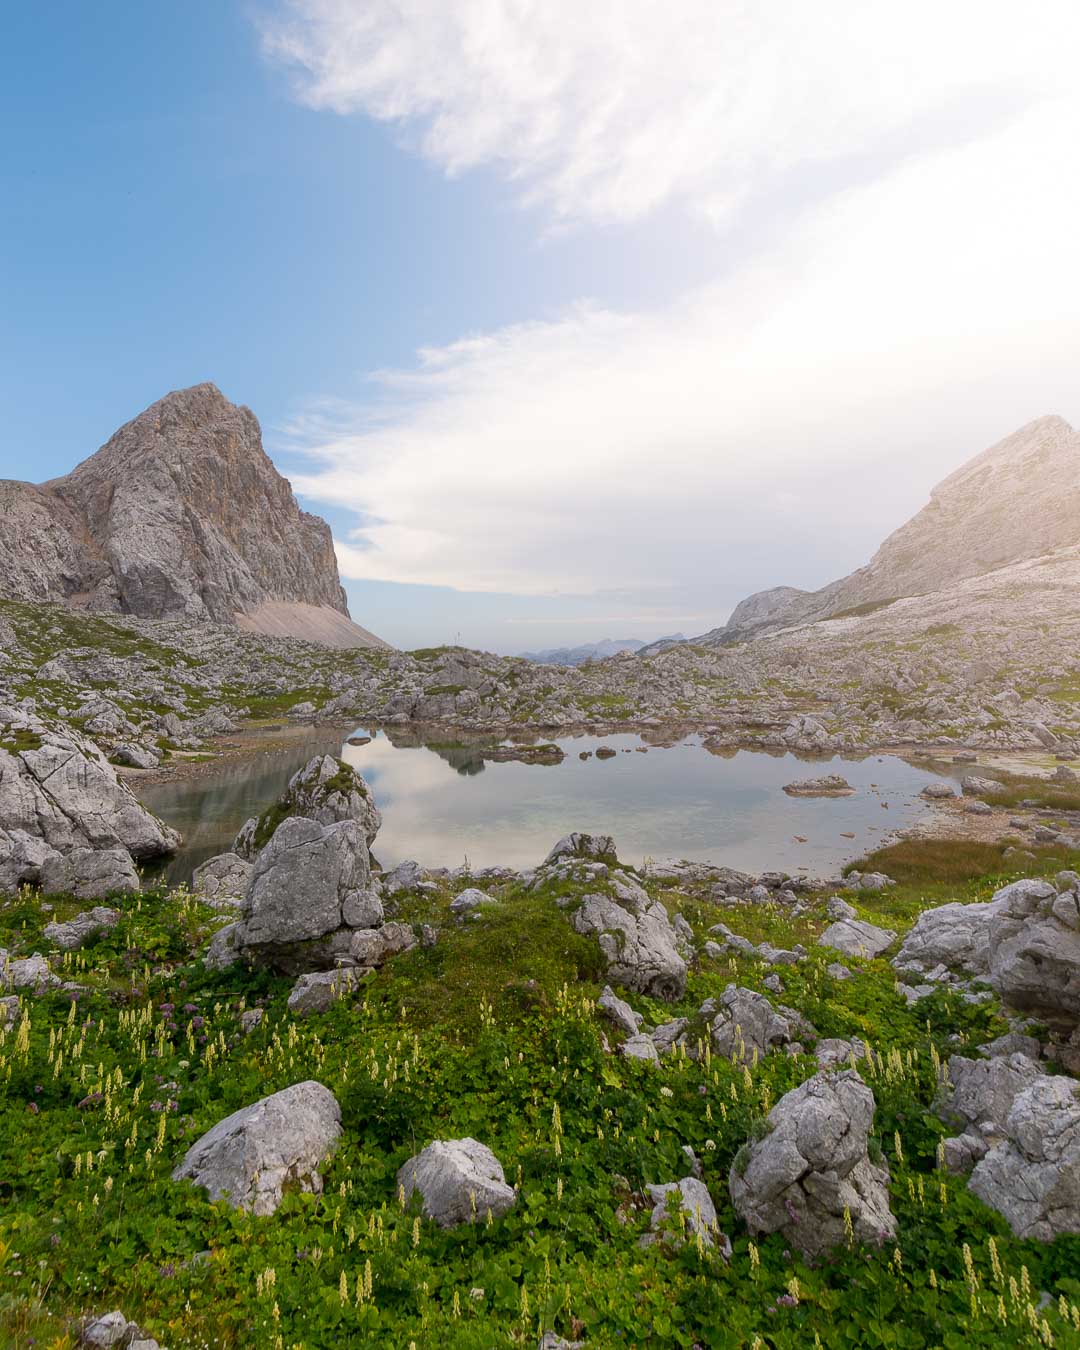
{"points": [[252, 1155], [310, 902], [66, 820], [746, 1026], [1033, 1177], [180, 514], [812, 1169], [1026, 942], [637, 938]]}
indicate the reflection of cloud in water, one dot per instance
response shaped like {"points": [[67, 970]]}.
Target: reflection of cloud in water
{"points": [[676, 802]]}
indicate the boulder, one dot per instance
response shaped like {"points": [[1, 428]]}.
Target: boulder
{"points": [[135, 756], [459, 1181], [1033, 1177], [593, 847], [90, 874], [223, 950], [222, 881], [973, 786], [1034, 949], [689, 1197], [470, 899], [65, 792], [637, 938], [319, 990], [834, 1053], [856, 937], [28, 972], [252, 1155], [747, 1026], [813, 1166], [299, 885], [869, 881], [78, 931], [114, 1329], [955, 936], [618, 1011], [639, 1046], [327, 791]]}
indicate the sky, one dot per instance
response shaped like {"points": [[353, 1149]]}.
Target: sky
{"points": [[574, 321]]}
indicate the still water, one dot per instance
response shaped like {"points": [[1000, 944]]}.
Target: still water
{"points": [[443, 804]]}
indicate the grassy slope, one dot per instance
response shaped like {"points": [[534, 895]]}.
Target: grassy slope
{"points": [[486, 1034]]}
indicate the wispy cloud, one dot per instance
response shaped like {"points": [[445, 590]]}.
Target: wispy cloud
{"points": [[922, 301], [605, 110]]}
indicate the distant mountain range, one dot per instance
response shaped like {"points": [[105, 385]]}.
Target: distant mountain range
{"points": [[1018, 500], [592, 651], [181, 515]]}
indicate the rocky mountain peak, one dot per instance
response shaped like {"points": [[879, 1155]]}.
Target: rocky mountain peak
{"points": [[181, 514]]}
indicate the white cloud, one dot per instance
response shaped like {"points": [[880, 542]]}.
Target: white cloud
{"points": [[768, 427], [605, 109]]}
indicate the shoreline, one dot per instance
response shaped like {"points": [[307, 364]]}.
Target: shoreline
{"points": [[252, 740]]}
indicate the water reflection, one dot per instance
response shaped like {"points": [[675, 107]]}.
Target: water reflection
{"points": [[443, 804]]}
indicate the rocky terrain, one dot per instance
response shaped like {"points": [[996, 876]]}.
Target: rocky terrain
{"points": [[990, 665], [1018, 500], [179, 515]]}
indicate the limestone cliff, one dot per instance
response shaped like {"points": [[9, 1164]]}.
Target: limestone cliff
{"points": [[180, 514]]}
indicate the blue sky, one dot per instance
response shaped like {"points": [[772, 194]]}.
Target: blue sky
{"points": [[557, 354]]}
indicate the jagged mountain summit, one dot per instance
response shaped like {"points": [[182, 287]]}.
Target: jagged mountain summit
{"points": [[1018, 500], [181, 514]]}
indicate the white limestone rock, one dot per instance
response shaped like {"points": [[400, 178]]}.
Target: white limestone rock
{"points": [[252, 1155]]}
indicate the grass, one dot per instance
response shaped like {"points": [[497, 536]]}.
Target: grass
{"points": [[491, 1033], [934, 871], [1038, 791]]}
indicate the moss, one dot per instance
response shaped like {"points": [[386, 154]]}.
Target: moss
{"points": [[22, 739]]}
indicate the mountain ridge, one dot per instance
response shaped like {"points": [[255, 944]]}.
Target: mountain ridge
{"points": [[1018, 499]]}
